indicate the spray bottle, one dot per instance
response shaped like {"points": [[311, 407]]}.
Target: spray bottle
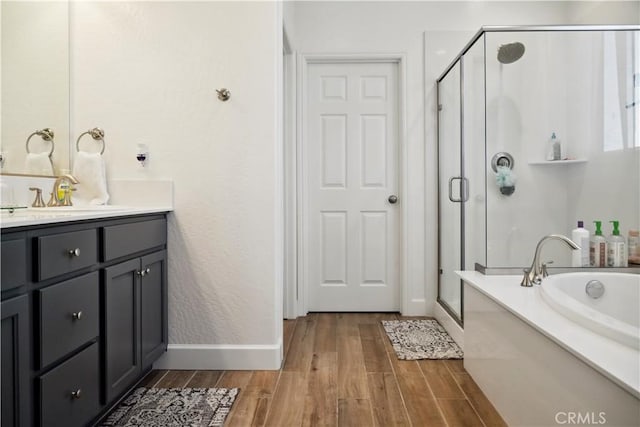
{"points": [[617, 248], [598, 247]]}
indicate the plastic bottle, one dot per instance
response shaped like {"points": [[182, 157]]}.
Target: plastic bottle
{"points": [[634, 247], [598, 247], [554, 150], [616, 248], [580, 257]]}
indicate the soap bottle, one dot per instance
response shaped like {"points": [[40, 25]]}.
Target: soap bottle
{"points": [[634, 247], [62, 190], [617, 248], [580, 257], [598, 247], [554, 150]]}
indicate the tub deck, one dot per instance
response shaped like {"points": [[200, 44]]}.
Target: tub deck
{"points": [[618, 362]]}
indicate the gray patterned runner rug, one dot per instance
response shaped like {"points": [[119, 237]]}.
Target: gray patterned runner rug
{"points": [[173, 407], [421, 339]]}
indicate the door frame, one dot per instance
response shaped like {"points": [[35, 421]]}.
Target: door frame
{"points": [[295, 180]]}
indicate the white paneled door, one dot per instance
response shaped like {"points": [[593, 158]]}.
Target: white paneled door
{"points": [[353, 205]]}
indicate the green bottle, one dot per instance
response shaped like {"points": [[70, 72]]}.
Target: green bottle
{"points": [[598, 248], [616, 248]]}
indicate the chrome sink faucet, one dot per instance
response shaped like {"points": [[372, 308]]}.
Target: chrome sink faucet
{"points": [[66, 200], [538, 270]]}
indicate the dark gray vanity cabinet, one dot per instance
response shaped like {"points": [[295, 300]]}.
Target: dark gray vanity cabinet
{"points": [[16, 389], [135, 300], [84, 316], [153, 308], [121, 296]]}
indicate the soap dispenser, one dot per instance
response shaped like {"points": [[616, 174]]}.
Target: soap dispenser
{"points": [[617, 248], [598, 247], [554, 148]]}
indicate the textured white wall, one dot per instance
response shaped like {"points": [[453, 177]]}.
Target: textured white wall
{"points": [[398, 27], [147, 72], [626, 12]]}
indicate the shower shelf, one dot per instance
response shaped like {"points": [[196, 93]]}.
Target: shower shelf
{"points": [[558, 162]]}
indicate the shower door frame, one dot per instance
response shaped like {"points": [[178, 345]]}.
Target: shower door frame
{"points": [[458, 317]]}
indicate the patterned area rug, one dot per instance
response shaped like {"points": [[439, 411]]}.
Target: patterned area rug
{"points": [[421, 339], [173, 407]]}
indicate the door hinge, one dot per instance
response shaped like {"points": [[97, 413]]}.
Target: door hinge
{"points": [[439, 107], [441, 271]]}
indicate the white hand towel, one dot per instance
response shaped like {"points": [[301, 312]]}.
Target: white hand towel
{"points": [[38, 164], [90, 171]]}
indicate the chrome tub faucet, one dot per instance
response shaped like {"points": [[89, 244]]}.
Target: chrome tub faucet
{"points": [[538, 270]]}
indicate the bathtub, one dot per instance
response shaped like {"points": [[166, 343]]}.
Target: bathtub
{"points": [[538, 357], [615, 314]]}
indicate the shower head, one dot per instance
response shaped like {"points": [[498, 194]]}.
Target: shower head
{"points": [[510, 52]]}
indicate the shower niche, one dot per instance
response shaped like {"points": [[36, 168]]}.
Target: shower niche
{"points": [[503, 97]]}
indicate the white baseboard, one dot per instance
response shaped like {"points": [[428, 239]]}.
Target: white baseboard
{"points": [[221, 357], [450, 325]]}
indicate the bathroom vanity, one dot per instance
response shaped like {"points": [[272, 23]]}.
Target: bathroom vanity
{"points": [[84, 312]]}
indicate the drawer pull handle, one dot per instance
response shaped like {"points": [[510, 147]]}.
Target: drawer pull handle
{"points": [[74, 252], [148, 270], [77, 394], [143, 273], [77, 315]]}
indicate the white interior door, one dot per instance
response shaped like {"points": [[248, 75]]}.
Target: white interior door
{"points": [[351, 158]]}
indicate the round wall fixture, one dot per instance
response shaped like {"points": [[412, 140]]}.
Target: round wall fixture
{"points": [[502, 159], [223, 94]]}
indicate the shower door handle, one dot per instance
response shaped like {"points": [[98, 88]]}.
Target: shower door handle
{"points": [[464, 189]]}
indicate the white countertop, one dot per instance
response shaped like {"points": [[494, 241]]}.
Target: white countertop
{"points": [[616, 361], [35, 216]]}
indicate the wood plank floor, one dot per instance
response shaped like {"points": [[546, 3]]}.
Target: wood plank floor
{"points": [[340, 370]]}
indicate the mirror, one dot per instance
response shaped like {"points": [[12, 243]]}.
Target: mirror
{"points": [[35, 87]]}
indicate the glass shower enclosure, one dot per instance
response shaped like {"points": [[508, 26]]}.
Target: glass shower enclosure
{"points": [[501, 185]]}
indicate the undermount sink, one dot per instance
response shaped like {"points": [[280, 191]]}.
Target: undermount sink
{"points": [[86, 208]]}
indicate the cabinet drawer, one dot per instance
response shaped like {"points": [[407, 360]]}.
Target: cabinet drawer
{"points": [[14, 264], [69, 316], [69, 393], [125, 239], [66, 252]]}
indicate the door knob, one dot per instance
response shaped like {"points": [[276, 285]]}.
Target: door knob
{"points": [[393, 199]]}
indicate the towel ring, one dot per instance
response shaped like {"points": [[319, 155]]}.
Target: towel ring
{"points": [[96, 133], [46, 134]]}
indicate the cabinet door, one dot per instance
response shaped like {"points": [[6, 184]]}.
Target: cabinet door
{"points": [[16, 390], [153, 307], [121, 299], [13, 262]]}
